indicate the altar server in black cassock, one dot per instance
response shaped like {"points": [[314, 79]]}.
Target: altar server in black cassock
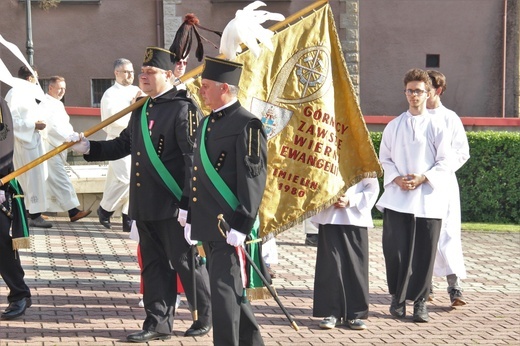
{"points": [[341, 279]]}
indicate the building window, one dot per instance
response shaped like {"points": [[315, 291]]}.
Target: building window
{"points": [[44, 83], [98, 88], [433, 60]]}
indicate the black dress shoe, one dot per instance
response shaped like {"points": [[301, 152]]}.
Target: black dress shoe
{"points": [[420, 311], [311, 240], [197, 329], [147, 335], [397, 309], [103, 219], [16, 309]]}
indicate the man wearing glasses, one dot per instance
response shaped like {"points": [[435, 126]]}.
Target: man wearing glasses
{"points": [[413, 155], [119, 96], [178, 71]]}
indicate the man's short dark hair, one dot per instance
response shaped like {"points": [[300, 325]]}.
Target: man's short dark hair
{"points": [[438, 80], [418, 75], [25, 73]]}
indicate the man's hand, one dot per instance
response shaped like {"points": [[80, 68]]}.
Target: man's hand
{"points": [[73, 137], [342, 202], [235, 238], [182, 217], [83, 146], [410, 181], [187, 235], [139, 94], [40, 125]]}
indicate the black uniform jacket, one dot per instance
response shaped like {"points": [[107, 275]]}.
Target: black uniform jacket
{"points": [[237, 147], [172, 120], [6, 141]]}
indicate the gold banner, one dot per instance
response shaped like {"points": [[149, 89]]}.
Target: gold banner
{"points": [[318, 143]]}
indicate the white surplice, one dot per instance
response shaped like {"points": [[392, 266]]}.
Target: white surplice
{"points": [[449, 258], [117, 189], [28, 144], [61, 195], [415, 144], [362, 197]]}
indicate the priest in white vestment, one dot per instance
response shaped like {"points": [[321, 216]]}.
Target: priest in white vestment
{"points": [[118, 97], [61, 195], [28, 145]]}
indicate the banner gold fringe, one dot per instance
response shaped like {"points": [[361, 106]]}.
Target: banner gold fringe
{"points": [[258, 293], [21, 243], [311, 213]]}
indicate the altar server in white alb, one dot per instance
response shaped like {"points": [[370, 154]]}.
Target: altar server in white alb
{"points": [[28, 143], [341, 279], [449, 261], [60, 192], [119, 96], [414, 154]]}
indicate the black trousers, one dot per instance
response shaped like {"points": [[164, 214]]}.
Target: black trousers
{"points": [[165, 252], [234, 323], [10, 266], [409, 247], [341, 274]]}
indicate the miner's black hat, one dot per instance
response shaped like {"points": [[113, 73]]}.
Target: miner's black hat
{"points": [[157, 57], [223, 71]]}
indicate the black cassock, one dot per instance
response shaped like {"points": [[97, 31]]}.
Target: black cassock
{"points": [[341, 279]]}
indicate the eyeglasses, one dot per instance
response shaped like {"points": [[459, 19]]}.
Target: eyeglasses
{"points": [[182, 63], [417, 92], [126, 71]]}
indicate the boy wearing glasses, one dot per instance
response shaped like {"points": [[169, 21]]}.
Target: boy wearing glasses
{"points": [[413, 157]]}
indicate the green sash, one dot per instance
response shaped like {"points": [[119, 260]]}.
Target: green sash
{"points": [[165, 175], [213, 175], [231, 199], [20, 228]]}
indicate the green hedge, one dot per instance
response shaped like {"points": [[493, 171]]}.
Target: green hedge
{"points": [[489, 181]]}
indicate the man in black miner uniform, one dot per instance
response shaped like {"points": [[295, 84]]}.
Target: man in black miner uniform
{"points": [[169, 119], [236, 145], [11, 218]]}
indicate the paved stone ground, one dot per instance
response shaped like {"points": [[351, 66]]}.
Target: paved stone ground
{"points": [[85, 284]]}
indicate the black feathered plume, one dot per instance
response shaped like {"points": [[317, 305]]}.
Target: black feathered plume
{"points": [[181, 44]]}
